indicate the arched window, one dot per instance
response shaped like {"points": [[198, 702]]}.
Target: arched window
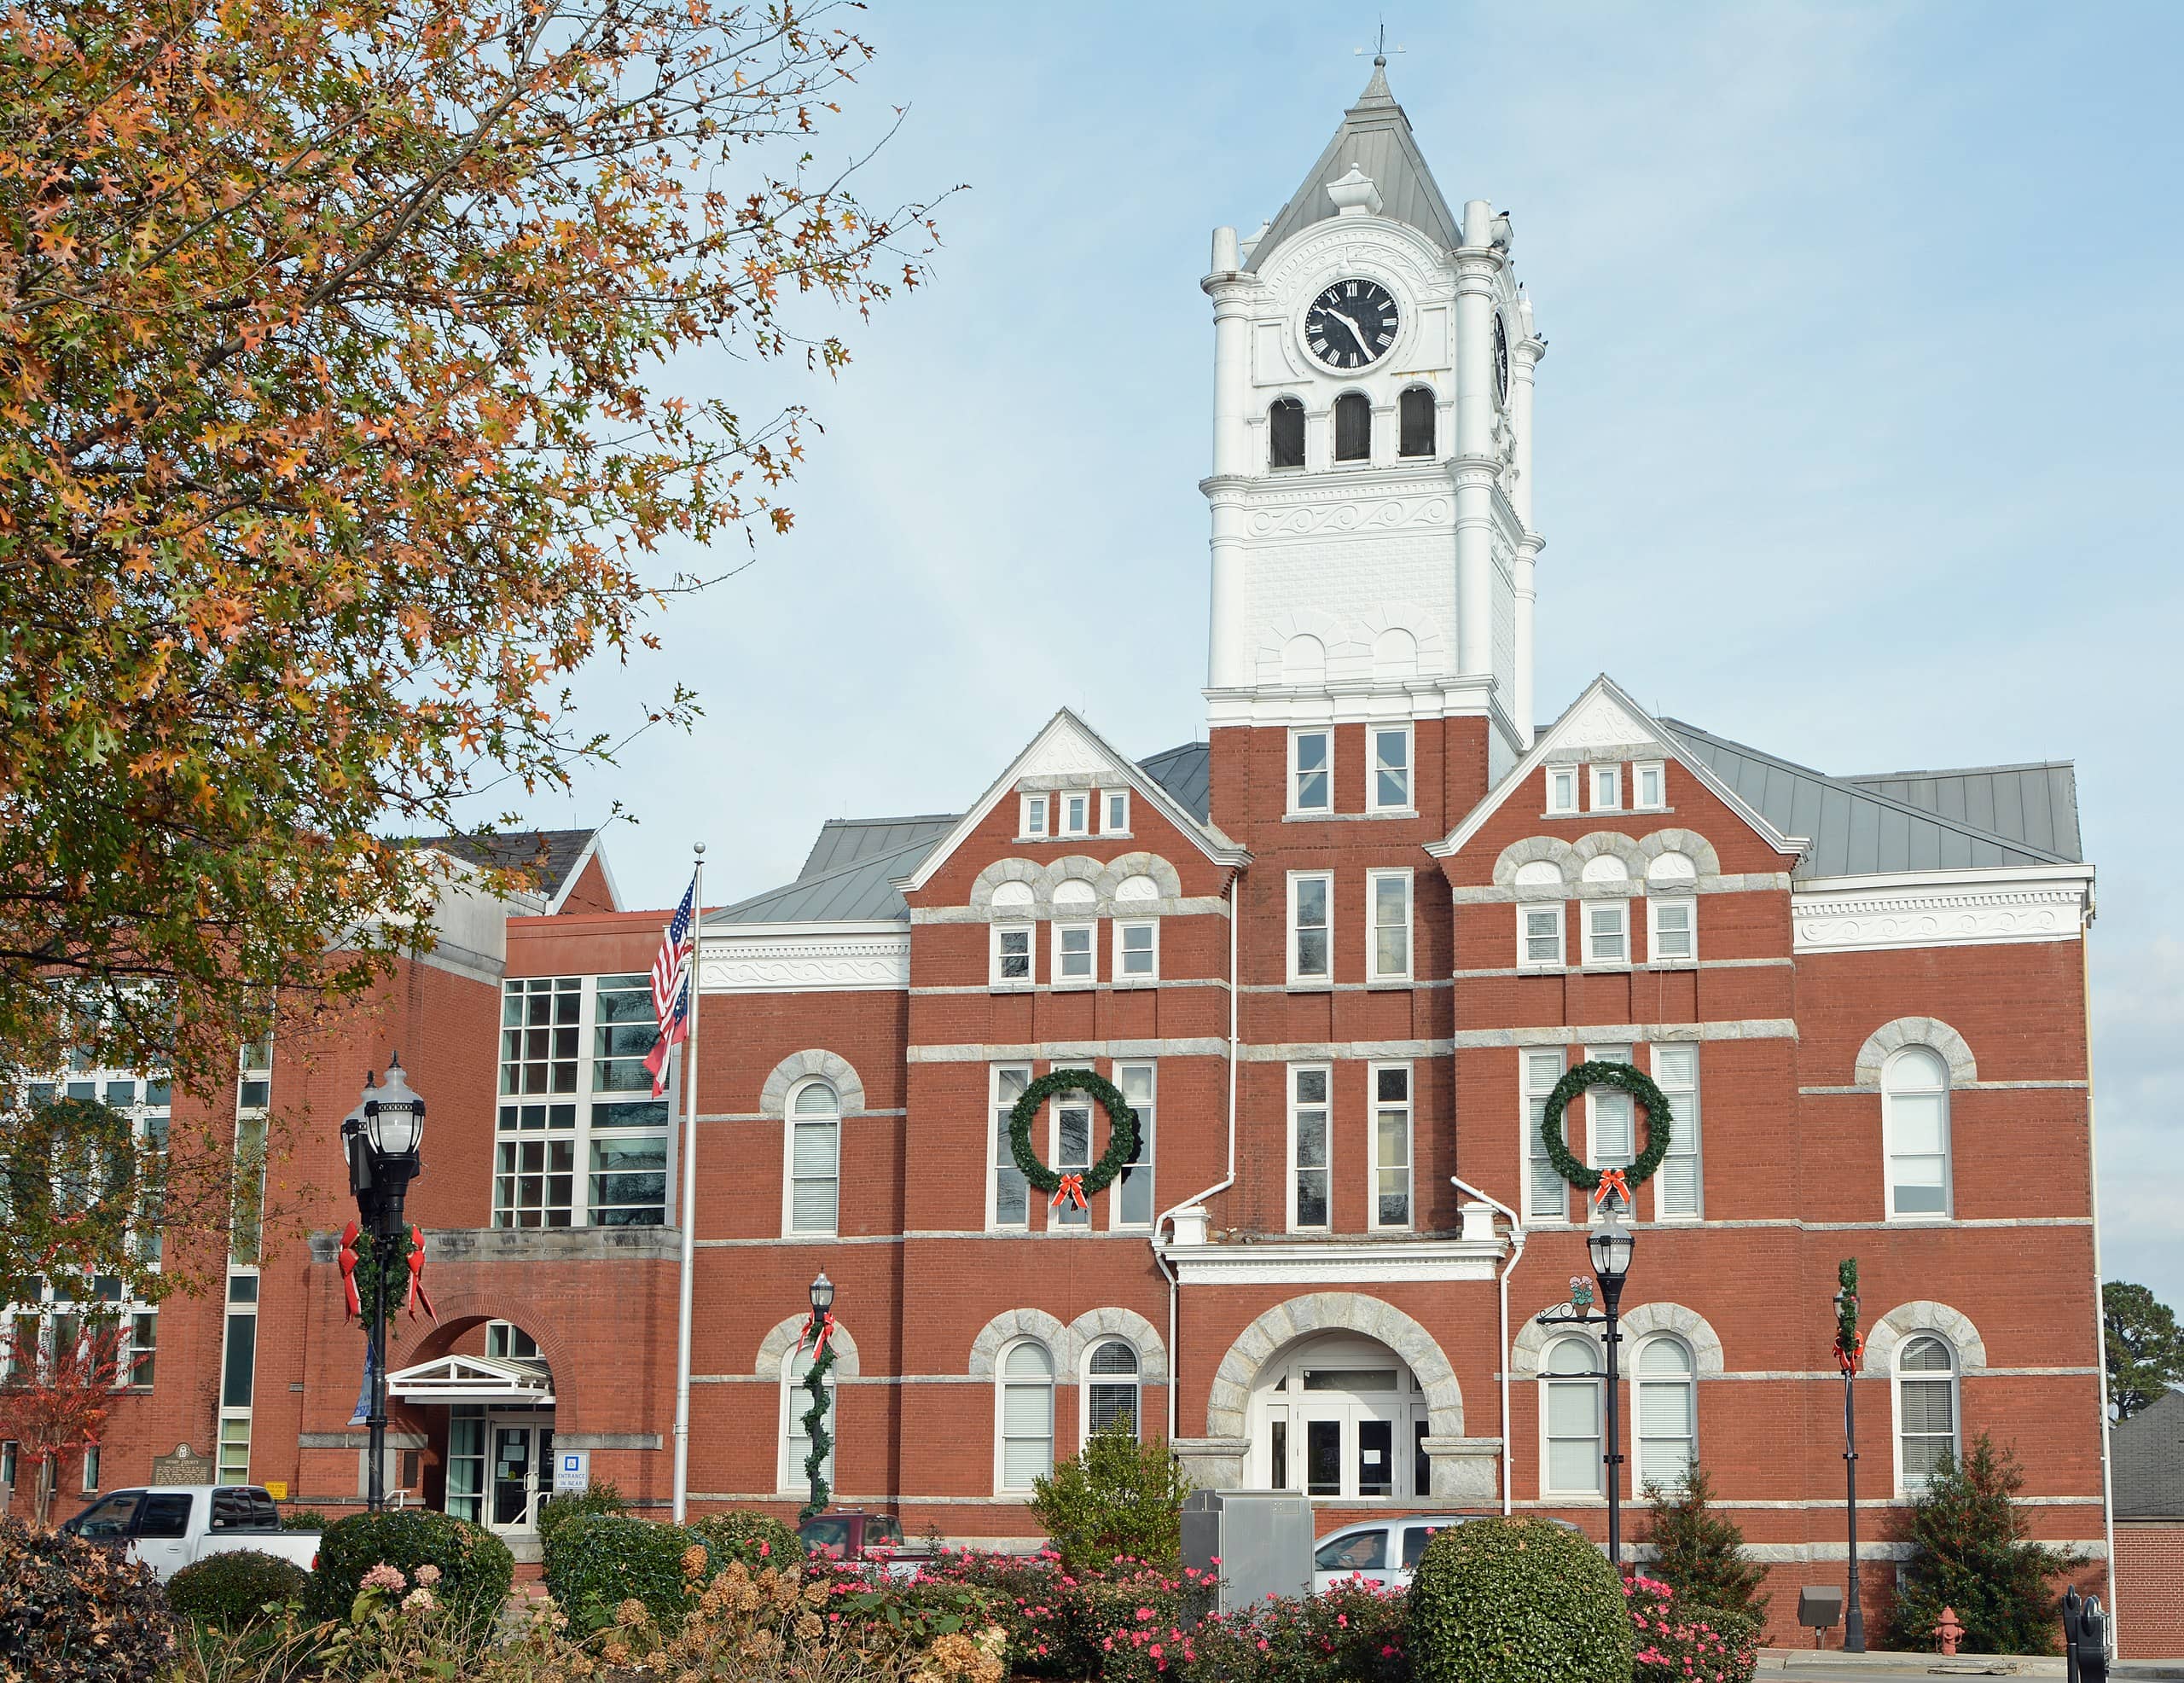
{"points": [[1665, 1409], [1926, 1410], [815, 1141], [796, 1442], [1914, 1122], [1026, 1416], [1571, 1413], [1414, 422], [1111, 1387], [1353, 428], [1285, 434]]}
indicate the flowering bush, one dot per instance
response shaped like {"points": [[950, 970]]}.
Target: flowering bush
{"points": [[1680, 1643], [1127, 1623], [1353, 1632]]}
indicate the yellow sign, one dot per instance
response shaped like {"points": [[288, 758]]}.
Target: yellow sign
{"points": [[278, 1488]]}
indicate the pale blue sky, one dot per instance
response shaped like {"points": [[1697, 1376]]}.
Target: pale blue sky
{"points": [[1857, 437]]}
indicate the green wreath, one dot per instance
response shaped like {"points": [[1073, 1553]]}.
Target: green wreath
{"points": [[1640, 1087], [1122, 1130]]}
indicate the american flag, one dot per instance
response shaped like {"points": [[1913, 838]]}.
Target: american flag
{"points": [[671, 985]]}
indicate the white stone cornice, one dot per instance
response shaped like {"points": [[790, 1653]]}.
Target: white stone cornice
{"points": [[1941, 908], [851, 959], [1333, 1263]]}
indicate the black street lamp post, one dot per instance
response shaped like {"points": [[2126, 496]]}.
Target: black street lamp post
{"points": [[382, 1137], [1849, 1349], [820, 1330], [1612, 1243]]}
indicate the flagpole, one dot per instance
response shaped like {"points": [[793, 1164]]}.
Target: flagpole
{"points": [[689, 1193]]}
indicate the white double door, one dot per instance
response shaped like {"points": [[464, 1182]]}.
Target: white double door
{"points": [[1352, 1444], [520, 1468]]}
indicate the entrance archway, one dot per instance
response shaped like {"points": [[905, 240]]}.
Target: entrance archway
{"points": [[1339, 1414], [491, 1417]]}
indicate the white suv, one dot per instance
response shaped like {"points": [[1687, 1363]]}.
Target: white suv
{"points": [[1384, 1551]]}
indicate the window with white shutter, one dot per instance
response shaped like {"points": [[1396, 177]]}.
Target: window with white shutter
{"points": [[1678, 1189], [1925, 1411], [815, 1138], [1026, 1416], [1546, 1195], [1666, 1409]]}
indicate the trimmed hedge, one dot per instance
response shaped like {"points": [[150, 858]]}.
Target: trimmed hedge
{"points": [[597, 1561], [231, 1590], [1510, 1601], [476, 1569], [757, 1540], [556, 1511], [73, 1612]]}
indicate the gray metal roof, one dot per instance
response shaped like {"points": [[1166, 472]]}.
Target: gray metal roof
{"points": [[1932, 820], [1375, 136], [548, 856], [1187, 774], [2146, 1461], [844, 841]]}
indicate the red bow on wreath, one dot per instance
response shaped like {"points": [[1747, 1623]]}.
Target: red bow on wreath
{"points": [[823, 1326], [1072, 1186], [355, 1305], [1612, 1181], [1851, 1356]]}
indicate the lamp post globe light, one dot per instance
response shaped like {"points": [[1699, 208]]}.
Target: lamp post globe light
{"points": [[1611, 1244], [382, 1138]]}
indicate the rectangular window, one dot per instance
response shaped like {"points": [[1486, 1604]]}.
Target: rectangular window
{"points": [[1012, 955], [815, 1168], [1387, 894], [1310, 895], [1546, 1195], [91, 1469], [1072, 1154], [1678, 1189], [1647, 786], [1391, 770], [534, 1180], [238, 1365], [1137, 952], [1077, 814], [1539, 936], [1311, 771], [1011, 1193], [1133, 1195], [1115, 821], [1561, 790], [1391, 1146], [540, 1019], [1308, 1148], [8, 1454], [1672, 931], [235, 1449], [1607, 931], [628, 1127], [628, 1186], [1073, 965], [143, 1347], [1607, 788], [466, 1462], [1031, 824], [1610, 1119]]}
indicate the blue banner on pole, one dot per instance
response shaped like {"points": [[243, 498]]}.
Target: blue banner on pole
{"points": [[363, 1416]]}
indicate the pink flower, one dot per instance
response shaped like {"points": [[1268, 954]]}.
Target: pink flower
{"points": [[766, 1549], [429, 1574], [384, 1577], [419, 1600]]}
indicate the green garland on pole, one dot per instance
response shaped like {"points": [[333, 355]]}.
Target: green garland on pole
{"points": [[1122, 1130], [388, 1276], [1639, 1086], [814, 1427], [1850, 1345]]}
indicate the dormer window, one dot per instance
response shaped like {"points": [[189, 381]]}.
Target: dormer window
{"points": [[1414, 422], [1353, 428], [1561, 790], [1116, 805], [1647, 788], [1285, 434], [1077, 814], [1032, 825], [1607, 788]]}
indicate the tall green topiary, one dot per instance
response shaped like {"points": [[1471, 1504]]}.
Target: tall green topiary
{"points": [[476, 1569], [1120, 1498], [597, 1561], [757, 1540], [232, 1589], [1699, 1553], [1517, 1601], [1969, 1552], [74, 1612]]}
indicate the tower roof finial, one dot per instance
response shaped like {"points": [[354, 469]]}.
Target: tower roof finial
{"points": [[1376, 91]]}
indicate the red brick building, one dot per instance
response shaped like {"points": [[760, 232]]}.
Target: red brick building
{"points": [[1336, 954]]}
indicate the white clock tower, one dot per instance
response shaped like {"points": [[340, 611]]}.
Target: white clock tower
{"points": [[1371, 492]]}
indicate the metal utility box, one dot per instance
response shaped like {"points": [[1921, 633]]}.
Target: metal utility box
{"points": [[1820, 1605], [1262, 1539]]}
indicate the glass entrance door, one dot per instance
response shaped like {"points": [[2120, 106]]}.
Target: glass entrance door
{"points": [[519, 1454]]}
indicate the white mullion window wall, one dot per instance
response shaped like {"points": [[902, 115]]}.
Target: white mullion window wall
{"points": [[1546, 1195], [1130, 1205], [1539, 935], [1009, 1195], [1388, 935], [1679, 1190], [1393, 1142], [1610, 1119], [1310, 1154], [813, 1181]]}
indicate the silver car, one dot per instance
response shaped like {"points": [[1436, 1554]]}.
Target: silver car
{"points": [[1384, 1551]]}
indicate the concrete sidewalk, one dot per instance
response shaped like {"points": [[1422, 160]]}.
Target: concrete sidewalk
{"points": [[1822, 1666]]}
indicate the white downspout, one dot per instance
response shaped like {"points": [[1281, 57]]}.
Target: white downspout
{"points": [[1516, 1256], [1228, 1180]]}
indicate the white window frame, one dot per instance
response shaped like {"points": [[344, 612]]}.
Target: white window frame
{"points": [[1527, 909], [1594, 961], [1608, 778], [1090, 932], [791, 1122], [1562, 792], [1148, 1134], [1119, 976], [1409, 1105], [1013, 984], [1687, 1382], [1639, 771], [1655, 905], [1897, 1378], [1595, 1097], [1597, 1490], [1114, 812], [1086, 1381], [1688, 1134], [1374, 926], [1298, 977], [1325, 807], [1067, 1217], [1000, 1159], [1409, 768], [1889, 1093], [1077, 812], [1325, 1071], [1538, 1069], [795, 1399], [1031, 816], [1001, 1384]]}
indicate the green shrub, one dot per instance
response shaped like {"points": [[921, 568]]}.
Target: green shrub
{"points": [[1352, 1633], [1969, 1551], [231, 1590], [1510, 1601], [757, 1540], [1119, 1499], [558, 1510], [476, 1569], [73, 1612], [303, 1519], [1698, 1553], [1684, 1641], [597, 1561]]}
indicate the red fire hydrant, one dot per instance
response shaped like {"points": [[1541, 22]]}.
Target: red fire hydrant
{"points": [[1950, 1631]]}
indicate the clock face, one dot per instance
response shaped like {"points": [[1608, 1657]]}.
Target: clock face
{"points": [[1351, 325]]}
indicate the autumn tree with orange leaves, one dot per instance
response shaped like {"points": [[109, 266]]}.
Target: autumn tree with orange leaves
{"points": [[330, 449], [59, 1379]]}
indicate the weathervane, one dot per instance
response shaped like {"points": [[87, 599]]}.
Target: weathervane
{"points": [[1379, 46]]}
